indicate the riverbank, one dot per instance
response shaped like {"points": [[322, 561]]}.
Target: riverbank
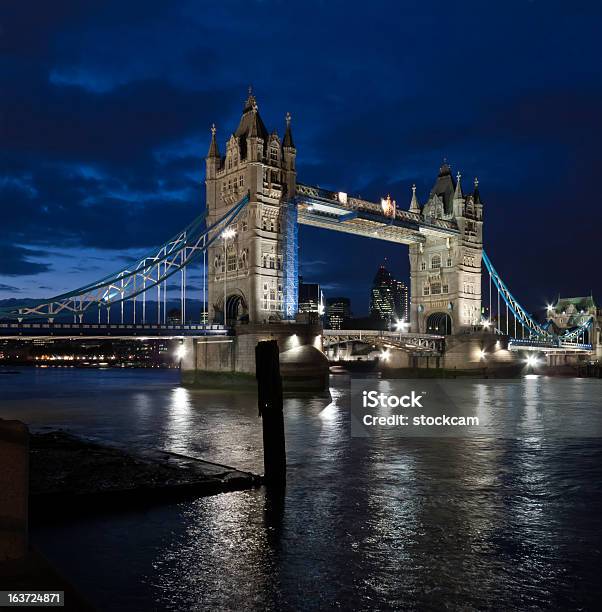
{"points": [[61, 485]]}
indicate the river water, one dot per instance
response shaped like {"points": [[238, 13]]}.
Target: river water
{"points": [[418, 524]]}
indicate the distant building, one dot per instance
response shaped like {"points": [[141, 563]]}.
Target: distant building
{"points": [[338, 312], [389, 299], [311, 298], [569, 314]]}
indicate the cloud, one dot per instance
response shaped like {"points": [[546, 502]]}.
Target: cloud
{"points": [[105, 111], [16, 260]]}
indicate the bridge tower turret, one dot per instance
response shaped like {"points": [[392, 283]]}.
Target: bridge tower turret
{"points": [[446, 271], [248, 267]]}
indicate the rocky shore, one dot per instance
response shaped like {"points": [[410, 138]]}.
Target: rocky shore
{"points": [[70, 475]]}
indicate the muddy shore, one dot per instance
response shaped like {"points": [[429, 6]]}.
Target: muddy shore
{"points": [[71, 475]]}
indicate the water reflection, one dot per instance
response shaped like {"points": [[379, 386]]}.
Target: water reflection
{"points": [[499, 522]]}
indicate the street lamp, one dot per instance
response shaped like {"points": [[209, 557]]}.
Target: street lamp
{"points": [[401, 326], [227, 233]]}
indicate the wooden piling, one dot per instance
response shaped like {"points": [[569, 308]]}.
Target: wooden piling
{"points": [[269, 400]]}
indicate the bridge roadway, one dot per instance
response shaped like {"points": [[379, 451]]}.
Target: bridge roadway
{"points": [[331, 210], [113, 330], [426, 343]]}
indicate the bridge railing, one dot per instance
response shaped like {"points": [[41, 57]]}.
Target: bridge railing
{"points": [[152, 271]]}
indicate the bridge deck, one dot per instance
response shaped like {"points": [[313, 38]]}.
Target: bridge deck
{"points": [[337, 211], [116, 330], [424, 343]]}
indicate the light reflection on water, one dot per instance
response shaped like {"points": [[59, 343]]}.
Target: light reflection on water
{"points": [[480, 523]]}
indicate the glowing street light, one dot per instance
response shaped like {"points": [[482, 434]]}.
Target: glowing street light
{"points": [[532, 361], [385, 355], [402, 326], [482, 354], [486, 323]]}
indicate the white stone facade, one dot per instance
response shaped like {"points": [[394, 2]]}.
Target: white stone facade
{"points": [[446, 272], [260, 165]]}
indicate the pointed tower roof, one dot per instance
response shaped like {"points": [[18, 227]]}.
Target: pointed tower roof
{"points": [[213, 148], [414, 205], [476, 195], [444, 187], [250, 122], [288, 134]]}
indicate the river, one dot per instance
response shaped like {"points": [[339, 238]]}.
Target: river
{"points": [[379, 523]]}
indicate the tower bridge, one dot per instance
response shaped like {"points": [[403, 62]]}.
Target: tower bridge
{"points": [[247, 239]]}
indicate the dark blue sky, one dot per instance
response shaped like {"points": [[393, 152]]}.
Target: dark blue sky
{"points": [[105, 109]]}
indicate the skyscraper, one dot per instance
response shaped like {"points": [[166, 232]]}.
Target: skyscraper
{"points": [[311, 298], [338, 312], [389, 298]]}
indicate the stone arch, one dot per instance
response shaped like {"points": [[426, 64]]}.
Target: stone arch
{"points": [[439, 323], [237, 309]]}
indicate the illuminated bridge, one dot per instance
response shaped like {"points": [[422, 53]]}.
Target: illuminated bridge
{"points": [[246, 244]]}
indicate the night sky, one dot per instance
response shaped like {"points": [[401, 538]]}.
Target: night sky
{"points": [[105, 110]]}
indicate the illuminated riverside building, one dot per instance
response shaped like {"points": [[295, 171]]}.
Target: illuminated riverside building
{"points": [[389, 298], [338, 312], [311, 298]]}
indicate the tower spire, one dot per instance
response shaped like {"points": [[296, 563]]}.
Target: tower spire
{"points": [[414, 206], [476, 196], [288, 135], [458, 190], [213, 149]]}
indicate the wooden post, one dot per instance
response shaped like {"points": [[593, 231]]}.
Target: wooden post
{"points": [[14, 489], [269, 400]]}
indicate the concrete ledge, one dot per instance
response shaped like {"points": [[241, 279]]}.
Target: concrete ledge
{"points": [[233, 381], [14, 489]]}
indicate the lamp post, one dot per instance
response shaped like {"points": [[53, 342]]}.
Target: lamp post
{"points": [[227, 233], [401, 326]]}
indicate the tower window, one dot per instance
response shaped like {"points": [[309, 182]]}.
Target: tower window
{"points": [[231, 260], [423, 265], [436, 262]]}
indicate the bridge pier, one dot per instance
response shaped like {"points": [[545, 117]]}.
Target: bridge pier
{"points": [[229, 361]]}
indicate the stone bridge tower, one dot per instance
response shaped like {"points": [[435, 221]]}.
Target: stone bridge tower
{"points": [[250, 264], [446, 271]]}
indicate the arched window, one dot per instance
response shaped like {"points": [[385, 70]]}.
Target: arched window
{"points": [[436, 261], [231, 260], [423, 265], [426, 290]]}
